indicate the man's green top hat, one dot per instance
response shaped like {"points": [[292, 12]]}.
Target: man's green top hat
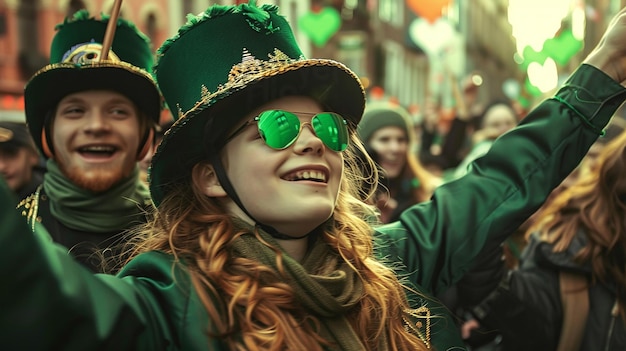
{"points": [[75, 66], [223, 64]]}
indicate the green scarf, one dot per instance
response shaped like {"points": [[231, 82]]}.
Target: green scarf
{"points": [[329, 294], [80, 209]]}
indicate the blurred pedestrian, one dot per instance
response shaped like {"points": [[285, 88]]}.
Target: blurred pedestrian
{"points": [[19, 159], [442, 149], [387, 131], [497, 118]]}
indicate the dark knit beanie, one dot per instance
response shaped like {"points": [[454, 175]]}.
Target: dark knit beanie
{"points": [[380, 116]]}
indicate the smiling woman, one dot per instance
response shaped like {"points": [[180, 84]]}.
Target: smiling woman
{"points": [[279, 177], [260, 239]]}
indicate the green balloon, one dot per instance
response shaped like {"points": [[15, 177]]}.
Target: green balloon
{"points": [[530, 55], [531, 89], [320, 26], [524, 102], [563, 47]]}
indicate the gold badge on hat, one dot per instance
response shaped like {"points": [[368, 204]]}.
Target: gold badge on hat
{"points": [[88, 53], [5, 135]]}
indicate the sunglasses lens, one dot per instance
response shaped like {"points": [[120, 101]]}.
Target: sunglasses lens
{"points": [[331, 129], [278, 128]]}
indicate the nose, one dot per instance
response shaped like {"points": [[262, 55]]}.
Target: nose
{"points": [[308, 141], [96, 122], [396, 146]]}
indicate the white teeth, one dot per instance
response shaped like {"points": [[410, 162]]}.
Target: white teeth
{"points": [[98, 148], [308, 175]]}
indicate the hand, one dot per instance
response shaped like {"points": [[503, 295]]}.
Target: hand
{"points": [[430, 117], [465, 97], [467, 327], [610, 53], [487, 133], [386, 205], [470, 96]]}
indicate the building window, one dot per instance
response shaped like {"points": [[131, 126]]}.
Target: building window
{"points": [[352, 52], [393, 53], [29, 58], [391, 11]]}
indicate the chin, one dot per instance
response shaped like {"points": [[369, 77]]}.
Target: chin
{"points": [[305, 220], [96, 182], [318, 216], [392, 171], [13, 185]]}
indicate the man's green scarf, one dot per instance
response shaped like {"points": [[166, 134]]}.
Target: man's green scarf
{"points": [[80, 209], [323, 283]]}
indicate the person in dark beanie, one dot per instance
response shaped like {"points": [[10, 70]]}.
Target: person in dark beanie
{"points": [[19, 159], [387, 132]]}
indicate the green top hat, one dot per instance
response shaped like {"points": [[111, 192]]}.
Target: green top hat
{"points": [[234, 59], [75, 66]]}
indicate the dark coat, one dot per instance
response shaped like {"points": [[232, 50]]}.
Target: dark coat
{"points": [[529, 303]]}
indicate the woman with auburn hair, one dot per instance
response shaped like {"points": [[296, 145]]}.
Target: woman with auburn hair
{"points": [[259, 240], [581, 231]]}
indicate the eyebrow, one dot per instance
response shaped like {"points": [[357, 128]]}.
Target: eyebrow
{"points": [[71, 100], [120, 100], [115, 100]]}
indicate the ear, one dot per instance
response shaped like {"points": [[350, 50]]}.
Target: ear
{"points": [[44, 144], [204, 178], [147, 146], [33, 157]]}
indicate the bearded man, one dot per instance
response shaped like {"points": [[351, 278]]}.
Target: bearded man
{"points": [[93, 119]]}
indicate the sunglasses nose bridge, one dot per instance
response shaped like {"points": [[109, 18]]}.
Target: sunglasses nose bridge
{"points": [[303, 124], [311, 128]]}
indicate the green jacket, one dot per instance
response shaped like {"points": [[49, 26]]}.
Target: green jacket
{"points": [[50, 302]]}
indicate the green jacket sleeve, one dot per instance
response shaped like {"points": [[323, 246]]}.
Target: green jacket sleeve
{"points": [[50, 302], [434, 243]]}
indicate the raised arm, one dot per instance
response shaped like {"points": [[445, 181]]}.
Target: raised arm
{"points": [[437, 241]]}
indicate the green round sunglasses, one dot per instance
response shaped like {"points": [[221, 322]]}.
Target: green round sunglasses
{"points": [[279, 129]]}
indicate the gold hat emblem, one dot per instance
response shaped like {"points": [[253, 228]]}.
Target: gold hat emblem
{"points": [[87, 53], [5, 135]]}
